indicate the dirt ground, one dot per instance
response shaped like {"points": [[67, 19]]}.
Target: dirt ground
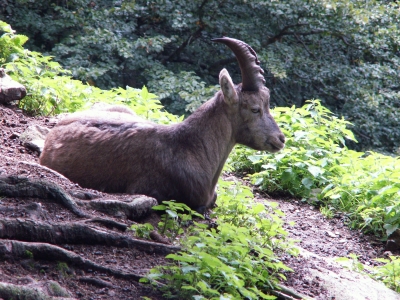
{"points": [[109, 269]]}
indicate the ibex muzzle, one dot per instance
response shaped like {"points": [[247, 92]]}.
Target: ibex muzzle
{"points": [[113, 150]]}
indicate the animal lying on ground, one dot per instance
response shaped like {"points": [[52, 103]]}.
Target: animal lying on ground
{"points": [[113, 150]]}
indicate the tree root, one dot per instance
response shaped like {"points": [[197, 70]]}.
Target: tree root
{"points": [[12, 186], [155, 236], [55, 253], [95, 281], [286, 293], [110, 224], [31, 292], [137, 207], [29, 230]]}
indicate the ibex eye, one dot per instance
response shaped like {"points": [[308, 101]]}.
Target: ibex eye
{"points": [[255, 110]]}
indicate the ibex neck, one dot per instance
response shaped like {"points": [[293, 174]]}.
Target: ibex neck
{"points": [[210, 132]]}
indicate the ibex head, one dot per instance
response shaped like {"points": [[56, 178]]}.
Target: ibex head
{"points": [[255, 126]]}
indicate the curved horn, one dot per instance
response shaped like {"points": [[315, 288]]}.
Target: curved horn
{"points": [[252, 74]]}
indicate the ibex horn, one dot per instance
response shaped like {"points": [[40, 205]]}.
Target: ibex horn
{"points": [[252, 73]]}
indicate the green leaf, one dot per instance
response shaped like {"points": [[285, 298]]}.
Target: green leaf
{"points": [[171, 213], [307, 182], [390, 228], [315, 171]]}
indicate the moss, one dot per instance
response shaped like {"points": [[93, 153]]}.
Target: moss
{"points": [[55, 289]]}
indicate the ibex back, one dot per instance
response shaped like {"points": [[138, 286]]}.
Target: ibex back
{"points": [[115, 151]]}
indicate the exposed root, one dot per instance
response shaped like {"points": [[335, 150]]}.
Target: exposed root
{"points": [[77, 233], [55, 253], [155, 236], [95, 281], [136, 208], [34, 292], [286, 293], [110, 224], [83, 195], [12, 186]]}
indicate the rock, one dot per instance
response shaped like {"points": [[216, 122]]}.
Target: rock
{"points": [[331, 234], [393, 242], [343, 284], [10, 90], [392, 245], [33, 137]]}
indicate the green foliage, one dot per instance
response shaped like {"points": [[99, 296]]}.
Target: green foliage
{"points": [[312, 150], [28, 254], [352, 263], [369, 189], [50, 91], [11, 44], [63, 268], [387, 272], [235, 260], [176, 216], [192, 90], [327, 212], [344, 52], [57, 290], [142, 230], [316, 166]]}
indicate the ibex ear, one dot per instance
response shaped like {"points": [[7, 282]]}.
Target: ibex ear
{"points": [[227, 87]]}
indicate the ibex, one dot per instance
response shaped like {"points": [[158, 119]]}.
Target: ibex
{"points": [[115, 151]]}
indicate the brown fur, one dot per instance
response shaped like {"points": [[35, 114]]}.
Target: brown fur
{"points": [[113, 150]]}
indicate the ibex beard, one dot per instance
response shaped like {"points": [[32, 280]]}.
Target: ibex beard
{"points": [[113, 150]]}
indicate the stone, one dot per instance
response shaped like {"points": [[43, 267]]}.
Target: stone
{"points": [[33, 137], [344, 284], [10, 90], [393, 241]]}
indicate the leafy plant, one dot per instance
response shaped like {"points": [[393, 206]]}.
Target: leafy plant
{"points": [[352, 263], [327, 212], [52, 91], [389, 272], [313, 138], [369, 189], [142, 230], [177, 215], [11, 44], [236, 260], [317, 166]]}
